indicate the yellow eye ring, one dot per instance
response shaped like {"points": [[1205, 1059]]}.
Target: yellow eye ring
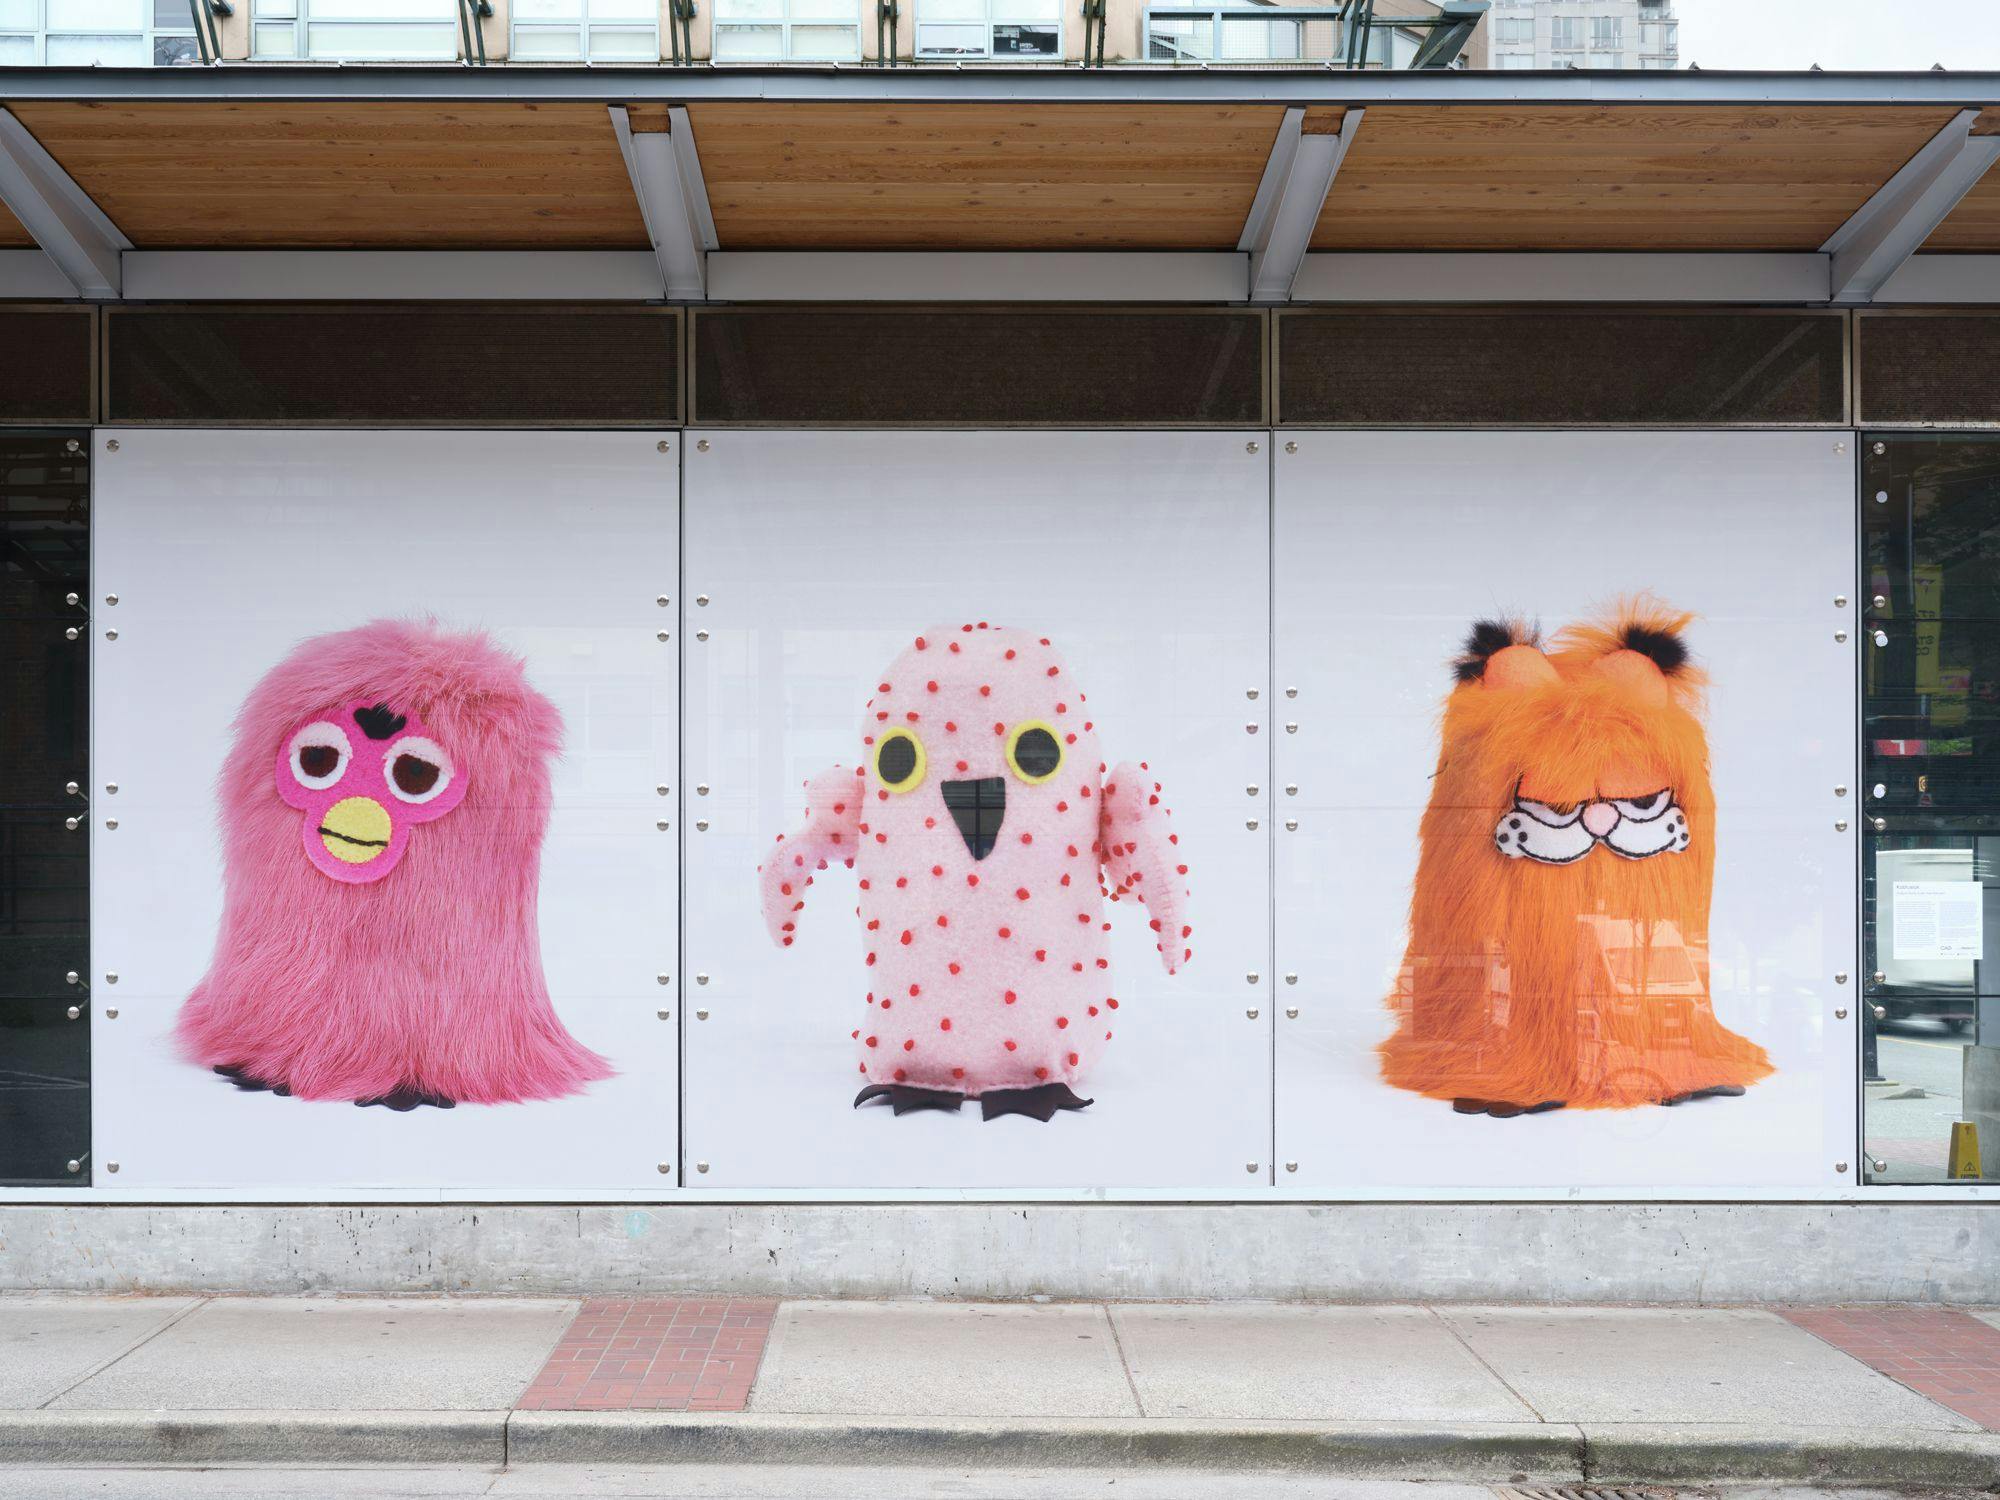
{"points": [[1046, 743], [908, 759]]}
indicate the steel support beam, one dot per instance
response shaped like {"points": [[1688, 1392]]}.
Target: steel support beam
{"points": [[1310, 146], [666, 176], [1890, 227], [58, 215]]}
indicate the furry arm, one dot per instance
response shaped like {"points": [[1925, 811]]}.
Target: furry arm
{"points": [[1141, 858], [832, 831]]}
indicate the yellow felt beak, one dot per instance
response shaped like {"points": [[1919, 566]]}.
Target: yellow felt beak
{"points": [[356, 830]]}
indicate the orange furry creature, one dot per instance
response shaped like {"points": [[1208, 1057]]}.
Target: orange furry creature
{"points": [[1558, 947]]}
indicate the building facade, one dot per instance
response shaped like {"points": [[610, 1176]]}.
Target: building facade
{"points": [[1592, 34]]}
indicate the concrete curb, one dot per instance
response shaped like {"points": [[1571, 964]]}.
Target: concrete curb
{"points": [[1660, 1453], [253, 1437], [1384, 1449]]}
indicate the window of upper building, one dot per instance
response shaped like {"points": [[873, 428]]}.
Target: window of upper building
{"points": [[1514, 29], [1514, 60], [1607, 32], [600, 30], [1024, 30], [787, 30], [355, 30], [97, 33], [1566, 33]]}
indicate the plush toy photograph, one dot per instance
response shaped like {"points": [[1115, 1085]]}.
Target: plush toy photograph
{"points": [[985, 833], [383, 803], [1558, 937]]}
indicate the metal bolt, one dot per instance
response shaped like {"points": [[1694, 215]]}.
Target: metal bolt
{"points": [[701, 1015], [111, 635], [1291, 825], [1250, 1166], [1292, 728], [71, 787], [700, 789], [111, 445], [110, 978], [70, 824], [1291, 789], [701, 635], [1881, 601], [1880, 449], [702, 600], [1250, 790], [662, 790], [75, 1012], [663, 601], [1880, 1013], [662, 979], [662, 448], [1876, 1164], [72, 977], [1876, 977], [75, 1165], [664, 636], [665, 1168], [1840, 447], [1250, 1015], [1291, 1166], [701, 825], [111, 787], [664, 1015], [1840, 1013], [1291, 1012], [72, 446], [1878, 790], [1840, 1166], [1251, 824], [701, 1166], [662, 825], [1881, 637], [1840, 635], [1251, 694], [1840, 791], [110, 822], [1840, 601], [1250, 447], [1251, 977], [111, 1166], [1840, 825], [111, 1013], [1291, 979], [1291, 447], [702, 447], [1881, 497], [1881, 824], [701, 979], [1840, 979], [1249, 728], [1291, 692], [72, 599], [71, 633]]}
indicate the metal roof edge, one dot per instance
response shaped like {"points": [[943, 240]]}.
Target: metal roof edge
{"points": [[991, 84]]}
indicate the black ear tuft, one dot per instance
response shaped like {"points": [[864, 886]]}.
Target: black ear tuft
{"points": [[1484, 640], [1666, 650], [378, 723]]}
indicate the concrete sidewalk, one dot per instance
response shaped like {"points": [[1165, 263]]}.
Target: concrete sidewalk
{"points": [[1451, 1392]]}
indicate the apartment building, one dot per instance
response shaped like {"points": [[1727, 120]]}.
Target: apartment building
{"points": [[1583, 34]]}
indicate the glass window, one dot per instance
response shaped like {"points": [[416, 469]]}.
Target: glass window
{"points": [[1514, 60], [1566, 33], [44, 864], [1514, 29], [603, 30], [87, 33], [1607, 31], [363, 30], [1929, 803], [1607, 59], [787, 30], [1001, 29]]}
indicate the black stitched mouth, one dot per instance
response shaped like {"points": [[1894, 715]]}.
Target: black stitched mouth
{"points": [[978, 808], [345, 839]]}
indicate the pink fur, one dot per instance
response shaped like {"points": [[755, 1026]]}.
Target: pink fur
{"points": [[430, 978], [993, 973]]}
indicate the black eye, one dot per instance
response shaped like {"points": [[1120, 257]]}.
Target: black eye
{"points": [[1643, 803], [413, 775], [1035, 752], [899, 760], [318, 760]]}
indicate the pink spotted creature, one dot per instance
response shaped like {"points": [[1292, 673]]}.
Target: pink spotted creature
{"points": [[985, 833]]}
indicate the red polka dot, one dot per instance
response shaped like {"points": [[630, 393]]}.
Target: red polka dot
{"points": [[1062, 1022], [943, 920], [985, 691], [972, 880], [1041, 1072], [922, 644], [1021, 893], [1072, 1059], [1008, 1045], [999, 728], [900, 1075], [884, 688], [906, 937], [930, 687], [916, 989], [910, 1045], [958, 1072], [945, 1024], [953, 968], [1011, 997], [1006, 932], [871, 1041]]}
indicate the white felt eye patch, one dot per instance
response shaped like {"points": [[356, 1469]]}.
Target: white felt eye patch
{"points": [[1665, 832], [1521, 835]]}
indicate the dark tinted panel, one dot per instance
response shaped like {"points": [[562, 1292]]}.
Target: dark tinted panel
{"points": [[418, 366], [44, 864], [45, 371], [1560, 369], [1922, 369], [881, 367]]}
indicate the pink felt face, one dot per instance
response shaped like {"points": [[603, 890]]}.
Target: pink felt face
{"points": [[364, 778]]}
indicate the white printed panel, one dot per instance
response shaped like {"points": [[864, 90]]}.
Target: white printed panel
{"points": [[1388, 548], [815, 560], [226, 550]]}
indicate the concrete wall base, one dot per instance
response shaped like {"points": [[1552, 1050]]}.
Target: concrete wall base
{"points": [[1531, 1252]]}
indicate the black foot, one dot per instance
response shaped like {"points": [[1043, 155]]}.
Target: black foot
{"points": [[1500, 1109], [404, 1100], [235, 1073], [1720, 1091], [903, 1098], [1041, 1102]]}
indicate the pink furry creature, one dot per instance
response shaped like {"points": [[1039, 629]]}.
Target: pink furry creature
{"points": [[383, 806], [984, 832]]}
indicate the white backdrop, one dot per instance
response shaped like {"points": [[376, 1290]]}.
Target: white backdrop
{"points": [[227, 548], [1389, 545], [1144, 557]]}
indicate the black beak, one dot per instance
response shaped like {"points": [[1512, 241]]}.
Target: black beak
{"points": [[978, 808]]}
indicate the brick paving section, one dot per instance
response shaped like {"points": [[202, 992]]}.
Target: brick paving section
{"points": [[655, 1354], [1951, 1357]]}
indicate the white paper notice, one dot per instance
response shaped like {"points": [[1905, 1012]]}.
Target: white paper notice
{"points": [[1938, 919]]}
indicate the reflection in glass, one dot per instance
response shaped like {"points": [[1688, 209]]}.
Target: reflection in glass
{"points": [[1930, 644]]}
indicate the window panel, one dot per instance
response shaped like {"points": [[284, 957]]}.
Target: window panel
{"points": [[356, 39], [97, 51], [548, 10], [952, 40], [841, 12], [18, 15], [173, 15], [1026, 41], [543, 43], [279, 39], [625, 43], [175, 51], [749, 10], [735, 43], [626, 10], [825, 43], [380, 11], [96, 15], [17, 51]]}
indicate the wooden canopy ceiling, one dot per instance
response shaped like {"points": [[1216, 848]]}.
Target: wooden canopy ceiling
{"points": [[1021, 175]]}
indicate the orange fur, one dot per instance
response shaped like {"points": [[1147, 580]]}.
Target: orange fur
{"points": [[1584, 982]]}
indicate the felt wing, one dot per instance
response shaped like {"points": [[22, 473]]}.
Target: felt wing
{"points": [[1142, 857], [831, 832]]}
